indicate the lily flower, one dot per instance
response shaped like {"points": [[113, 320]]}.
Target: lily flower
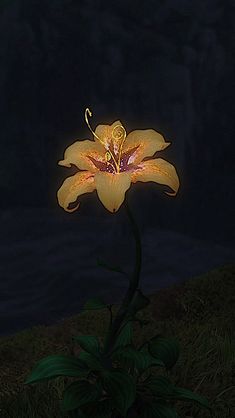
{"points": [[111, 162]]}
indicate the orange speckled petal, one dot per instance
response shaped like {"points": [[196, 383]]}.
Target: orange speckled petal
{"points": [[73, 187], [148, 142], [78, 154], [111, 189], [159, 171]]}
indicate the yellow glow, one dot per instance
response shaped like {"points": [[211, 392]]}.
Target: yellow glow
{"points": [[126, 154]]}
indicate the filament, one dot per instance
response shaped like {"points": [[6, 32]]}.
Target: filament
{"points": [[102, 142], [121, 135], [88, 124]]}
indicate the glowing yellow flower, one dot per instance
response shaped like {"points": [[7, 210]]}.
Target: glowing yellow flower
{"points": [[112, 162]]}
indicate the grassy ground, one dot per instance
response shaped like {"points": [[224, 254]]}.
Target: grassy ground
{"points": [[200, 313]]}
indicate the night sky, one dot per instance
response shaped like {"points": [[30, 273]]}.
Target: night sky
{"points": [[163, 65]]}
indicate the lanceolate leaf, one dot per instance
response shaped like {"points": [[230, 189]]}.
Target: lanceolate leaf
{"points": [[130, 357], [92, 362], [94, 303], [141, 322], [125, 336], [80, 393], [89, 343], [160, 386], [157, 409], [121, 388], [77, 413], [148, 360], [99, 409], [55, 365], [188, 395], [165, 349]]}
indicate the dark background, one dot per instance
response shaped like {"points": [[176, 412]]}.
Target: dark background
{"points": [[166, 65]]}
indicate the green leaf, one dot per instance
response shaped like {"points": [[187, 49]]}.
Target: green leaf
{"points": [[138, 302], [160, 386], [94, 303], [92, 362], [158, 410], [100, 409], [89, 343], [124, 337], [142, 322], [120, 386], [188, 395], [55, 365], [102, 263], [165, 349], [77, 414], [148, 360], [129, 357], [80, 393]]}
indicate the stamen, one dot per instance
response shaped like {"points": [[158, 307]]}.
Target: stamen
{"points": [[118, 136], [89, 126], [102, 142], [107, 156]]}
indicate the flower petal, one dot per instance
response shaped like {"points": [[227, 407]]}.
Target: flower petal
{"points": [[148, 142], [74, 186], [159, 171], [104, 132], [78, 154], [111, 188]]}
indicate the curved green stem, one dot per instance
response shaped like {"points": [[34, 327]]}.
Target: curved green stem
{"points": [[133, 285]]}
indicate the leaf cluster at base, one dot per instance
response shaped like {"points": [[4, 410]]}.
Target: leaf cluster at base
{"points": [[116, 386]]}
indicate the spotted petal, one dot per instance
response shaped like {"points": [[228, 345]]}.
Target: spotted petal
{"points": [[111, 188], [78, 154], [74, 186], [146, 142], [159, 171]]}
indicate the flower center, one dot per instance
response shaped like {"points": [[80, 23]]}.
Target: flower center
{"points": [[114, 149]]}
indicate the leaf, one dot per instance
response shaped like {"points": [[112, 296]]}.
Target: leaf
{"points": [[100, 409], [77, 414], [125, 336], [158, 410], [130, 357], [120, 386], [80, 393], [55, 365], [102, 263], [89, 343], [188, 395], [148, 360], [142, 322], [138, 302], [94, 303], [165, 349], [92, 362], [160, 386]]}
